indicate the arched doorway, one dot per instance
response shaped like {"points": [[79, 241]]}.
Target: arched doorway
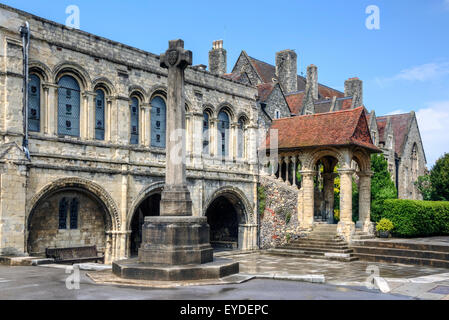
{"points": [[67, 217], [149, 207], [226, 213], [224, 225]]}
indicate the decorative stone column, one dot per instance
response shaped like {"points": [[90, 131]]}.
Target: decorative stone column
{"points": [[365, 202], [294, 161], [51, 119], [287, 169], [328, 187], [281, 159], [175, 245], [346, 226], [308, 198]]}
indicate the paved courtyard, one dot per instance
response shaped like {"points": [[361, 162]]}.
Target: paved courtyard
{"points": [[341, 281]]}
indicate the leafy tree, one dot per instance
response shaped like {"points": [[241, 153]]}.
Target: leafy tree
{"points": [[439, 179], [425, 187], [382, 187]]}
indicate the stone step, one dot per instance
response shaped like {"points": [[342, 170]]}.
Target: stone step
{"points": [[419, 254], [330, 256], [318, 246], [404, 260], [319, 250], [402, 245], [362, 237], [320, 242]]}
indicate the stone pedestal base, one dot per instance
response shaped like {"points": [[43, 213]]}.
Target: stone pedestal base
{"points": [[176, 201], [346, 230], [133, 269], [175, 248]]}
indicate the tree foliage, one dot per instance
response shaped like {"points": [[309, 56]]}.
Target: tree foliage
{"points": [[382, 187], [439, 179]]}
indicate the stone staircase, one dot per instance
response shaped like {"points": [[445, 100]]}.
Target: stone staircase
{"points": [[406, 252], [321, 243]]}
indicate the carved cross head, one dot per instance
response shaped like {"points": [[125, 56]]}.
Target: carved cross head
{"points": [[176, 56]]}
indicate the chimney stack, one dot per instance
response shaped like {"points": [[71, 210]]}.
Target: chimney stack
{"points": [[287, 70], [354, 89], [217, 58], [312, 80]]}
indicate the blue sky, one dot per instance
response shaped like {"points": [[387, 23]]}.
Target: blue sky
{"points": [[404, 65]]}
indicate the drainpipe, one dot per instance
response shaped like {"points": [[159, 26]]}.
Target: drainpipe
{"points": [[25, 34]]}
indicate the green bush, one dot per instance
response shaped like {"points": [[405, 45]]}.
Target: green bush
{"points": [[382, 187], [414, 218], [262, 197], [384, 225]]}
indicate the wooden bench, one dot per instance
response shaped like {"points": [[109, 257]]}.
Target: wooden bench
{"points": [[74, 254]]}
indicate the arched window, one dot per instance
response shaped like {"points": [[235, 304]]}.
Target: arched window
{"points": [[99, 114], [206, 135], [241, 138], [74, 213], [34, 103], [158, 122], [63, 206], [134, 109], [223, 134], [68, 107]]}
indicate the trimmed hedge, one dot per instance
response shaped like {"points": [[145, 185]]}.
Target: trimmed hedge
{"points": [[413, 218]]}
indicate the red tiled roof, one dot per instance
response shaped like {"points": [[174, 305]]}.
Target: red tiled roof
{"points": [[265, 91], [381, 125], [400, 124], [295, 102], [340, 128]]}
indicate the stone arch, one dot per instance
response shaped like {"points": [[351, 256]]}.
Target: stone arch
{"points": [[40, 68], [311, 159], [73, 69], [363, 160], [242, 115], [112, 220], [209, 109], [247, 208], [228, 108], [138, 91], [143, 194], [158, 89], [105, 84]]}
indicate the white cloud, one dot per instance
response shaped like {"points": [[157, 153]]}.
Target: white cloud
{"points": [[421, 73], [434, 127], [425, 72], [399, 111]]}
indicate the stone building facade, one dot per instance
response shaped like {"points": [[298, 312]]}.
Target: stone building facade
{"points": [[95, 162], [96, 139]]}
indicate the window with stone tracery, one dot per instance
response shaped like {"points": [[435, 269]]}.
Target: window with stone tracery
{"points": [[69, 96], [158, 122], [34, 103]]}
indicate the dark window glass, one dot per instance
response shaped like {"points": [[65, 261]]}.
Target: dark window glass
{"points": [[99, 115], [34, 103], [74, 213], [134, 121], [68, 106], [158, 122], [63, 213]]}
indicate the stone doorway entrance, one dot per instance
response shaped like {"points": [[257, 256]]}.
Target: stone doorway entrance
{"points": [[149, 207], [222, 218]]}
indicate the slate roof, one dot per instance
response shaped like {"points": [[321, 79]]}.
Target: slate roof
{"points": [[268, 72], [340, 128], [401, 125], [265, 91]]}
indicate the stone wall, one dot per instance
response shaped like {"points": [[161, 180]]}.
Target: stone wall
{"points": [[281, 200], [45, 222]]}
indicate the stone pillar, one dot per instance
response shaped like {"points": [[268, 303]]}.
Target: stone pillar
{"points": [[328, 187], [365, 202], [107, 120], [294, 160], [346, 226], [308, 198], [51, 114], [146, 117], [287, 169], [280, 168]]}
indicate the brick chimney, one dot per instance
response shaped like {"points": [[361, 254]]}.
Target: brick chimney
{"points": [[354, 88], [312, 80], [217, 58], [287, 70]]}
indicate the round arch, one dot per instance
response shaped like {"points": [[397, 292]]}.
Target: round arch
{"points": [[311, 159], [148, 191], [228, 108], [73, 69], [238, 197], [93, 189], [158, 89], [41, 69], [363, 160], [105, 84], [138, 91]]}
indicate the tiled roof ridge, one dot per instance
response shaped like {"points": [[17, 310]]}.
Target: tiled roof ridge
{"points": [[323, 113]]}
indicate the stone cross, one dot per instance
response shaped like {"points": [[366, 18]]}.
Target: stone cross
{"points": [[175, 199]]}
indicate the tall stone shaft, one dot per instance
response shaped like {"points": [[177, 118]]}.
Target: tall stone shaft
{"points": [[175, 199]]}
